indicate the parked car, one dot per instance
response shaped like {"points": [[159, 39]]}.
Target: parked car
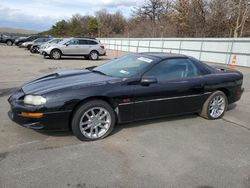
{"points": [[36, 48], [21, 40], [134, 87], [87, 47], [26, 44], [36, 41], [9, 40]]}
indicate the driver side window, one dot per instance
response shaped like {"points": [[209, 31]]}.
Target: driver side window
{"points": [[173, 69]]}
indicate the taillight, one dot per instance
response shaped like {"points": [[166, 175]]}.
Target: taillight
{"points": [[102, 46]]}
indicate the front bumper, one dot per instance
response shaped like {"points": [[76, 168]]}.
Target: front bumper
{"points": [[51, 119], [44, 52]]}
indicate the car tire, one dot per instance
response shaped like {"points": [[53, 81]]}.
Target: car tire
{"points": [[34, 50], [55, 54], [94, 55], [215, 106], [9, 42], [87, 126]]}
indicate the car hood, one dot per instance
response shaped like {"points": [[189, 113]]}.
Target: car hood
{"points": [[64, 79], [27, 43]]}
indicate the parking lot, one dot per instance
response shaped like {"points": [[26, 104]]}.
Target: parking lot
{"points": [[186, 151]]}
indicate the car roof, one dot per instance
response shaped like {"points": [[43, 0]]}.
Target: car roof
{"points": [[85, 38], [162, 55]]}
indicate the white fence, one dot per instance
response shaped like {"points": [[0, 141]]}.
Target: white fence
{"points": [[218, 50]]}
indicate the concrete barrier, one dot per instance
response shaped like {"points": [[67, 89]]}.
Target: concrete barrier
{"points": [[218, 50]]}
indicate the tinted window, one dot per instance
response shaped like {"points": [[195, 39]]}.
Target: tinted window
{"points": [[91, 42], [39, 40], [83, 42], [54, 41], [46, 39], [33, 38], [173, 69]]}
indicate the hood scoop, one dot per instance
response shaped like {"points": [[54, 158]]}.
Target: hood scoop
{"points": [[59, 74]]}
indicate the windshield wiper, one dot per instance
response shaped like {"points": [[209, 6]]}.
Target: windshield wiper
{"points": [[99, 72]]}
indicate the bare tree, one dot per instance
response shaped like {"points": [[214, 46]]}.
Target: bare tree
{"points": [[152, 9], [181, 17], [164, 18]]}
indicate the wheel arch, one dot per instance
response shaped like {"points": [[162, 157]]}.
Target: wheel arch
{"points": [[56, 49], [225, 91], [94, 50], [9, 40]]}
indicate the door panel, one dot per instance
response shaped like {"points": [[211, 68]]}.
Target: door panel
{"points": [[179, 90], [169, 98], [71, 47], [84, 47]]}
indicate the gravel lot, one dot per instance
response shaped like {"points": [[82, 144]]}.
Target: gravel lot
{"points": [[179, 152]]}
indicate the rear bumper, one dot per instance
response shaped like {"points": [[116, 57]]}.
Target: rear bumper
{"points": [[104, 54], [235, 95]]}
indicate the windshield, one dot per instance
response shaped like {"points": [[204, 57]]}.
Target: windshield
{"points": [[54, 41], [126, 66], [38, 40], [64, 41]]}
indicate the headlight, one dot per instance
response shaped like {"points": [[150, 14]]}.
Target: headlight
{"points": [[34, 100]]}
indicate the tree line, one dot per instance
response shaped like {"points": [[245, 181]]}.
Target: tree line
{"points": [[163, 18]]}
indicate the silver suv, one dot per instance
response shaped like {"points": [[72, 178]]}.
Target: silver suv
{"points": [[87, 47]]}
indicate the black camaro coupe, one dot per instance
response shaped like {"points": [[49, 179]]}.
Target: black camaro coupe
{"points": [[134, 87]]}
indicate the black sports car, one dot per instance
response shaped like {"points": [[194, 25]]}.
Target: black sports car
{"points": [[134, 87]]}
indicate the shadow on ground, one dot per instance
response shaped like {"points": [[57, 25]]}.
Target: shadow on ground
{"points": [[120, 127]]}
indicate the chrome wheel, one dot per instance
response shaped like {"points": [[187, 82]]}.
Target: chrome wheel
{"points": [[9, 43], [35, 50], [94, 55], [217, 106], [95, 122], [56, 54]]}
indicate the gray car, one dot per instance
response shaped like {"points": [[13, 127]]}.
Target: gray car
{"points": [[50, 43], [38, 43], [40, 40], [87, 47], [9, 40]]}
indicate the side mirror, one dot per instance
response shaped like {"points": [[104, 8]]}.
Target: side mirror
{"points": [[67, 44], [147, 80]]}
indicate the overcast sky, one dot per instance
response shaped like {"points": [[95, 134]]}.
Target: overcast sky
{"points": [[42, 14]]}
